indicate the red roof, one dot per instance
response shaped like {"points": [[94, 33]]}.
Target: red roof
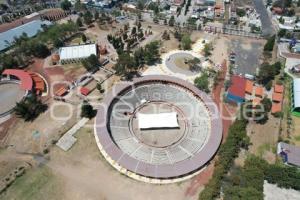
{"points": [[259, 91], [276, 107], [237, 87], [84, 91], [61, 91], [24, 77], [38, 82], [277, 97], [278, 88]]}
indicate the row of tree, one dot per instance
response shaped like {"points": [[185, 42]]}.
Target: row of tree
{"points": [[247, 182], [237, 139]]}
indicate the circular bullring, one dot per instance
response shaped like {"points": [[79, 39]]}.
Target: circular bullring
{"points": [[11, 93], [158, 155]]}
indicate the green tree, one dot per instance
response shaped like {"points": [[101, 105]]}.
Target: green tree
{"points": [[96, 16], [30, 108], [172, 21], [87, 110], [151, 52], [207, 50], [270, 44], [88, 17], [65, 5], [83, 38], [58, 43], [91, 62], [202, 82], [186, 42]]}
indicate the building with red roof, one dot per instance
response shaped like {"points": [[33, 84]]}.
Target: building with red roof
{"points": [[84, 91], [25, 79], [278, 88], [236, 92]]}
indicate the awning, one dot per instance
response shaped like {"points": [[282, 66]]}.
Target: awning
{"points": [[161, 120]]}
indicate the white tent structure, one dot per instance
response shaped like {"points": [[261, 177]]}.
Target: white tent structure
{"points": [[160, 120], [76, 53]]}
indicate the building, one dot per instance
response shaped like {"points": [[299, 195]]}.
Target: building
{"points": [[296, 48], [236, 92], [30, 29], [73, 54], [295, 99], [289, 153]]}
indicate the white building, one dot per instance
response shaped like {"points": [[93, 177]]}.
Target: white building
{"points": [[76, 53]]}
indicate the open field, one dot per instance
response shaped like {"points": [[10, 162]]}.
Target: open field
{"points": [[82, 173], [40, 184]]}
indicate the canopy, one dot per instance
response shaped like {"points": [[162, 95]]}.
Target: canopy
{"points": [[161, 120]]}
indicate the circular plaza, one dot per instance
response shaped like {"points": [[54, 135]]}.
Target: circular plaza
{"points": [[180, 62], [158, 129]]}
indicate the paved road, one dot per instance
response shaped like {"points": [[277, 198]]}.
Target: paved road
{"points": [[267, 27]]}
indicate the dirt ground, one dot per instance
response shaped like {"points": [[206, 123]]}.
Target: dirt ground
{"points": [[264, 138], [82, 173]]}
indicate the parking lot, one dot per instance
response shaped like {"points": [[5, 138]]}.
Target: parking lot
{"points": [[248, 52]]}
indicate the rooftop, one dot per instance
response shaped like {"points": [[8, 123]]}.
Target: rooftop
{"points": [[77, 52], [291, 152], [30, 28]]}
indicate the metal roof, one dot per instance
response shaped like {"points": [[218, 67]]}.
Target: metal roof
{"points": [[296, 90], [30, 28], [77, 52]]}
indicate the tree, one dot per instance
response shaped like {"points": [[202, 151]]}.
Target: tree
{"points": [[88, 17], [267, 72], [194, 64], [151, 52], [172, 21], [87, 110], [99, 88], [207, 50], [140, 4], [281, 33], [186, 42], [270, 44], [66, 5], [125, 64], [58, 43], [202, 82], [91, 62], [96, 16], [133, 31], [125, 36], [83, 37], [166, 35], [267, 104], [138, 57], [30, 108], [79, 22], [241, 12]]}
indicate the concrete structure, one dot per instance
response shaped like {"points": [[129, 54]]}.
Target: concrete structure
{"points": [[174, 154], [76, 53]]}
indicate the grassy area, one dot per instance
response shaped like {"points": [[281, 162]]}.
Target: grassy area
{"points": [[297, 138], [36, 184], [265, 147]]}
